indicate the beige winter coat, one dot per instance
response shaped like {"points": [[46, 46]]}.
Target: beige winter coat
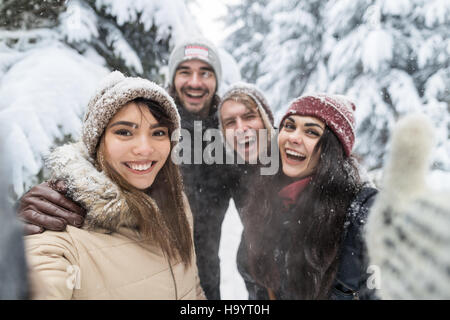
{"points": [[96, 263]]}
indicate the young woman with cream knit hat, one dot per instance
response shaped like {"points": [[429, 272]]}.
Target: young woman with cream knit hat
{"points": [[309, 245], [136, 242]]}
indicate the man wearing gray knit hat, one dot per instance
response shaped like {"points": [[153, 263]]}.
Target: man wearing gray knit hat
{"points": [[195, 73]]}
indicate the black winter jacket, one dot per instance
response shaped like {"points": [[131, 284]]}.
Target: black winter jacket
{"points": [[207, 188], [352, 273]]}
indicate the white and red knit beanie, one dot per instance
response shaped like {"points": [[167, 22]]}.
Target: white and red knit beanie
{"points": [[195, 49], [335, 110]]}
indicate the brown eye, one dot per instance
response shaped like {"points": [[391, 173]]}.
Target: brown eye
{"points": [[160, 132], [313, 132], [289, 125], [123, 132]]}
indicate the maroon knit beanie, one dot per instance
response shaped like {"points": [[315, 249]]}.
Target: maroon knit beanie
{"points": [[336, 111]]}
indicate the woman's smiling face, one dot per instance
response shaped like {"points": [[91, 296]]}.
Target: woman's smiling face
{"points": [[297, 139], [136, 145]]}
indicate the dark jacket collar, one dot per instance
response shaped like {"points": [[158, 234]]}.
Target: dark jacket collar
{"points": [[188, 118]]}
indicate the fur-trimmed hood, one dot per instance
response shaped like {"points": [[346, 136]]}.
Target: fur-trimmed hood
{"points": [[105, 203]]}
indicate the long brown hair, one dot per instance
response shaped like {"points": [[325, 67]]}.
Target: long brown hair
{"points": [[160, 211], [298, 252]]}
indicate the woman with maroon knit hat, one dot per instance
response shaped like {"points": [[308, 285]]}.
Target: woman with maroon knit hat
{"points": [[310, 246]]}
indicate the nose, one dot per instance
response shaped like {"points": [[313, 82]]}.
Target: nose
{"points": [[241, 126], [195, 80], [143, 146], [295, 138]]}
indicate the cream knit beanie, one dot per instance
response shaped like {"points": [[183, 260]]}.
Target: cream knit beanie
{"points": [[114, 92]]}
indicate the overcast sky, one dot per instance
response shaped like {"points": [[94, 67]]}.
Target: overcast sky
{"points": [[207, 13]]}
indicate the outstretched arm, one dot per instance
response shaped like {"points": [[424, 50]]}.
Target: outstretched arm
{"points": [[44, 208]]}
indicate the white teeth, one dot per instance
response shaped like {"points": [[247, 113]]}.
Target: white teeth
{"points": [[295, 154], [247, 140], [196, 95], [140, 167]]}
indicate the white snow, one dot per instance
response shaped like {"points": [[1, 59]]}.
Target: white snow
{"points": [[232, 286], [45, 85], [42, 98]]}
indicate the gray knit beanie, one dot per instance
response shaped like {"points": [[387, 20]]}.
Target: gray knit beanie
{"points": [[253, 92], [408, 228], [195, 49], [114, 91]]}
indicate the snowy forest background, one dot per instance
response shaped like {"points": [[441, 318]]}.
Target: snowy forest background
{"points": [[390, 57]]}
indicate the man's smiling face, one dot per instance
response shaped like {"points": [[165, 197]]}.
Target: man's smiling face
{"points": [[195, 84]]}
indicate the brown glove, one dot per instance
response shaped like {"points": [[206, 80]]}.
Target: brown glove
{"points": [[44, 208]]}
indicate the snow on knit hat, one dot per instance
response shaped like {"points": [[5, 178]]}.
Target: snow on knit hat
{"points": [[195, 49], [335, 110], [256, 95], [407, 230], [114, 92]]}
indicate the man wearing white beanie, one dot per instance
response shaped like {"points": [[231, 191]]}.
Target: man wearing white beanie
{"points": [[195, 73]]}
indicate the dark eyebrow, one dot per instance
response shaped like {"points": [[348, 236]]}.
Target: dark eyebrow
{"points": [[124, 123], [289, 118], [183, 68], [207, 69], [310, 124], [201, 68], [134, 125]]}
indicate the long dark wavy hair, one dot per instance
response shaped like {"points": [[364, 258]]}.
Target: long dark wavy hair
{"points": [[295, 253], [165, 224]]}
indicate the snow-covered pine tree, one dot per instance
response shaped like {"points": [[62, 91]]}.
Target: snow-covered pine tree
{"points": [[250, 23], [291, 49], [131, 36], [391, 57], [54, 52]]}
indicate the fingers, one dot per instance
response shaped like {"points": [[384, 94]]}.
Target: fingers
{"points": [[57, 198], [36, 221], [30, 229], [45, 211]]}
